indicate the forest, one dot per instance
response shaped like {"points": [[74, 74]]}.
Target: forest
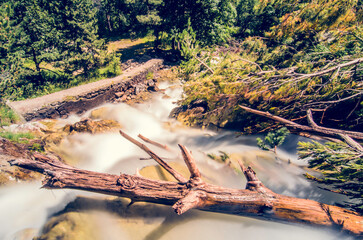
{"points": [[254, 66]]}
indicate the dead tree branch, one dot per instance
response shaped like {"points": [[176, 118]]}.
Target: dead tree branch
{"points": [[145, 139], [162, 163], [255, 201], [204, 64], [315, 129], [345, 137]]}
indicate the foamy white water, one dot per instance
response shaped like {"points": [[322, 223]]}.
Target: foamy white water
{"points": [[26, 206]]}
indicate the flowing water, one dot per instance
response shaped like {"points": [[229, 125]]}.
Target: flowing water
{"points": [[25, 207]]}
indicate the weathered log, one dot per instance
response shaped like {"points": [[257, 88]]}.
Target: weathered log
{"points": [[255, 201], [314, 129]]}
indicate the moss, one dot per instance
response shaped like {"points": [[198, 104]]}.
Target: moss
{"points": [[18, 137], [149, 75]]}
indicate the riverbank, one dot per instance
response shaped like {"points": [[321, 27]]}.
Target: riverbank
{"points": [[82, 98]]}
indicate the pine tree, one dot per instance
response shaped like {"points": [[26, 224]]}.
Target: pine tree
{"points": [[273, 139], [211, 20], [32, 34], [76, 33]]}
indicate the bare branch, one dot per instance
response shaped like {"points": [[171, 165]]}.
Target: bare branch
{"points": [[336, 101], [145, 139], [317, 130], [204, 64], [162, 163], [245, 60], [190, 162], [253, 183], [259, 203], [345, 137], [320, 73]]}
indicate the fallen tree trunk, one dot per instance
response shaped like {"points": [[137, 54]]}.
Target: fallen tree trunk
{"points": [[255, 200], [311, 129]]}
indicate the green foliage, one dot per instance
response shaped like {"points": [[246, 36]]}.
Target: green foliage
{"points": [[255, 17], [36, 147], [341, 165], [237, 77], [212, 20], [17, 137], [44, 43], [223, 156], [113, 66], [273, 139], [149, 75], [7, 116], [129, 18]]}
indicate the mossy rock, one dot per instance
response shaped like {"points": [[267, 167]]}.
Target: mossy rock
{"points": [[99, 113], [70, 226], [90, 126]]}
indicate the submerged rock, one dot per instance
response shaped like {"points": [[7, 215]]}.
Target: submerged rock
{"points": [[70, 226]]}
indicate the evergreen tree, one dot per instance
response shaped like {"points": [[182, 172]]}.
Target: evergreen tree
{"points": [[76, 33], [117, 17], [33, 33], [211, 20], [273, 139], [40, 34]]}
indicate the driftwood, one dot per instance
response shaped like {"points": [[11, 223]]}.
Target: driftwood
{"points": [[255, 200]]}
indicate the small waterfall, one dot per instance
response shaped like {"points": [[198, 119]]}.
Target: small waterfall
{"points": [[25, 206]]}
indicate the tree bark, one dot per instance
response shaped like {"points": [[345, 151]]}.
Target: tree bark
{"points": [[255, 200]]}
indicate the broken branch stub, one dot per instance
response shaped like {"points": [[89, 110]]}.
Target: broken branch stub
{"points": [[190, 162]]}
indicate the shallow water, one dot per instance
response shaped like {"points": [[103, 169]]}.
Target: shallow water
{"points": [[25, 206]]}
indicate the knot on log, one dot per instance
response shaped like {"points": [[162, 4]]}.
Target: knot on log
{"points": [[52, 182], [126, 182]]}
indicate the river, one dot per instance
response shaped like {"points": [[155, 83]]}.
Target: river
{"points": [[25, 207]]}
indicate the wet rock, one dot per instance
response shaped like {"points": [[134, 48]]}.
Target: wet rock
{"points": [[35, 127], [153, 88], [119, 94], [99, 113], [70, 226], [195, 107], [91, 126]]}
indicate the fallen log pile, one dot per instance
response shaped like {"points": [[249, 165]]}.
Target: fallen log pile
{"points": [[255, 200]]}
